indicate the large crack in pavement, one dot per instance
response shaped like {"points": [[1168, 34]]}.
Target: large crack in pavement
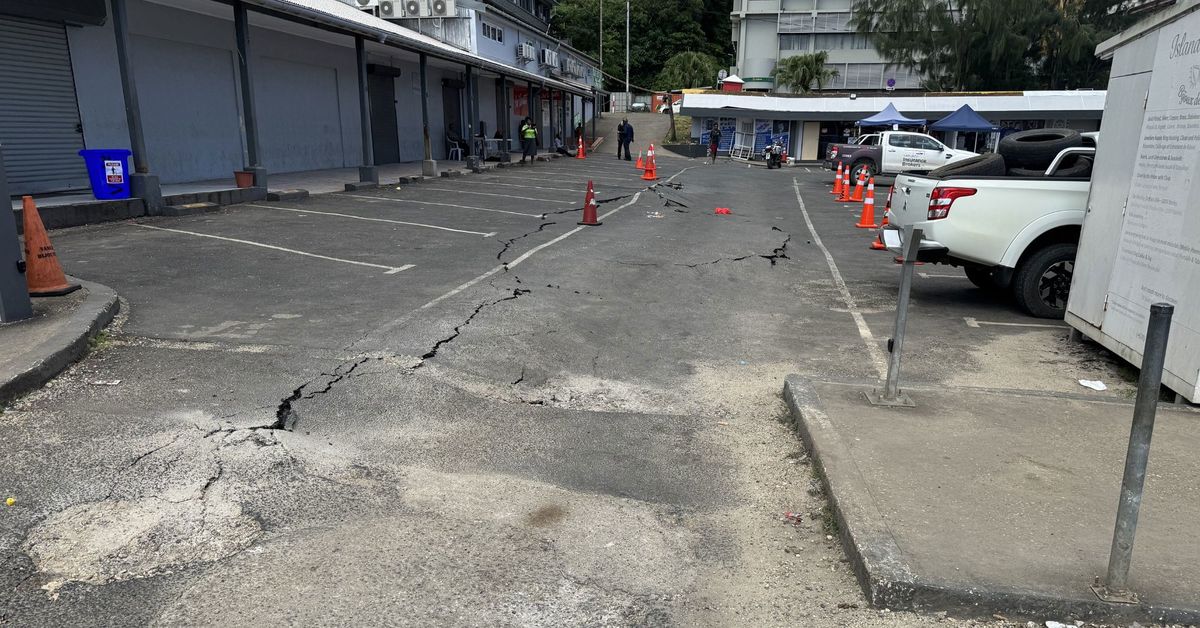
{"points": [[516, 293], [776, 254], [509, 242], [285, 413]]}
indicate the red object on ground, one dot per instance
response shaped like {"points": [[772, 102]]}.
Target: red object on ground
{"points": [[724, 211], [43, 274]]}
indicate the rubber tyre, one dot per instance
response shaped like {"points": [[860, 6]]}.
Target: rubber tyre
{"points": [[866, 164], [985, 165], [1036, 148], [985, 279], [1043, 281], [1082, 167]]}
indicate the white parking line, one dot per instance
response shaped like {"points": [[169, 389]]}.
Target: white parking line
{"points": [[411, 200], [395, 222], [934, 276], [633, 177], [524, 198], [873, 349], [388, 270], [534, 187], [973, 322]]}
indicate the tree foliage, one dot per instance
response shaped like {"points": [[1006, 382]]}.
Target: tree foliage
{"points": [[993, 44], [659, 29], [800, 73], [688, 69]]}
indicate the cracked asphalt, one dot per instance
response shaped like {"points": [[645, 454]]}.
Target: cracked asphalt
{"points": [[534, 424]]}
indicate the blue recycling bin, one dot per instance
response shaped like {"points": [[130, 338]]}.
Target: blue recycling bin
{"points": [[108, 170]]}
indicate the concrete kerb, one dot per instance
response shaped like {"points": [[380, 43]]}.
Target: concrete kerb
{"points": [[65, 346], [879, 564]]}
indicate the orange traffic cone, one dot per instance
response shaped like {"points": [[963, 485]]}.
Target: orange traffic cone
{"points": [[877, 245], [845, 196], [651, 172], [837, 181], [42, 270], [858, 187], [589, 208], [867, 219], [638, 164], [579, 149], [887, 207]]}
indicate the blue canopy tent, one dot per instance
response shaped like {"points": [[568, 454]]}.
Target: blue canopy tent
{"points": [[890, 117], [965, 119]]}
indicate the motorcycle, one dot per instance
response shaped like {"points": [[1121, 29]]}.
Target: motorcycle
{"points": [[773, 154]]}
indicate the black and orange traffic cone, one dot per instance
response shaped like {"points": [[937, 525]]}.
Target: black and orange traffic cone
{"points": [[43, 273], [589, 208]]}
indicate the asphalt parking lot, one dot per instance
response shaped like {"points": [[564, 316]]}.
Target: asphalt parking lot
{"points": [[447, 403]]}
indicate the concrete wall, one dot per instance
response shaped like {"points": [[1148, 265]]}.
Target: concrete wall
{"points": [[190, 99]]}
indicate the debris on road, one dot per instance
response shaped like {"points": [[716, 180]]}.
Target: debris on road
{"points": [[722, 211], [10, 501], [1094, 384], [105, 382], [792, 517]]}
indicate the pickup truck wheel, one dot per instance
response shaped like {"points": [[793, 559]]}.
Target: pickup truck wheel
{"points": [[985, 279], [1043, 281], [862, 167]]}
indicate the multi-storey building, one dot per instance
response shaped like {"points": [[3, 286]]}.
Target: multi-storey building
{"points": [[765, 31]]}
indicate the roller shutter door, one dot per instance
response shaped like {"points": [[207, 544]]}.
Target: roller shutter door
{"points": [[39, 116]]}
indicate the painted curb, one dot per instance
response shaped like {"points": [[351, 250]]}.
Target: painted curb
{"points": [[65, 347], [884, 574]]}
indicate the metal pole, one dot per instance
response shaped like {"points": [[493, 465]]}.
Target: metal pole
{"points": [[1115, 587], [505, 120], [133, 112], [601, 34], [628, 94], [241, 27], [14, 291], [367, 173], [593, 114], [891, 395]]}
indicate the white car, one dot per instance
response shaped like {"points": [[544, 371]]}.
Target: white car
{"points": [[663, 107], [892, 152]]}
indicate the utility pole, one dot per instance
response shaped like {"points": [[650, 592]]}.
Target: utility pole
{"points": [[601, 35], [628, 94]]}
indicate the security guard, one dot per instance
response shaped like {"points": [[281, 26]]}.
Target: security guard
{"points": [[529, 135]]}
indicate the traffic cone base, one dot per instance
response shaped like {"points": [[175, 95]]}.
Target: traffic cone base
{"points": [[877, 244], [589, 208], [43, 274]]}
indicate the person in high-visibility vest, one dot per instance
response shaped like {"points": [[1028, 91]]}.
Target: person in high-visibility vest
{"points": [[529, 135]]}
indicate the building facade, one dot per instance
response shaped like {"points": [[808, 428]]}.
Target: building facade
{"points": [[320, 85], [765, 31]]}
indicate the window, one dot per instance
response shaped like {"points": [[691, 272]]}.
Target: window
{"points": [[841, 41], [492, 32], [924, 143], [899, 140], [794, 42]]}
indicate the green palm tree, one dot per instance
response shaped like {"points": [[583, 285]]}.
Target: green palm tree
{"points": [[688, 69], [798, 73]]}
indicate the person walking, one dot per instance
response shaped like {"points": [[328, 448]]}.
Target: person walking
{"points": [[624, 138], [714, 141], [528, 140]]}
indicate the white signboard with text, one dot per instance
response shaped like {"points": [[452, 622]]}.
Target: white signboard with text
{"points": [[1158, 253]]}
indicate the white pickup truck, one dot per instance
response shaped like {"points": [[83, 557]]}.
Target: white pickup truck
{"points": [[1012, 230], [892, 152]]}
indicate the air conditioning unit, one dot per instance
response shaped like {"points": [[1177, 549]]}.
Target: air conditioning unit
{"points": [[525, 52], [390, 9], [412, 8], [367, 5], [548, 57], [442, 8]]}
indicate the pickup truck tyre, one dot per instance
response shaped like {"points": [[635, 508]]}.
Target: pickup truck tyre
{"points": [[1082, 167], [985, 165], [985, 279], [864, 166], [1036, 148], [1043, 280]]}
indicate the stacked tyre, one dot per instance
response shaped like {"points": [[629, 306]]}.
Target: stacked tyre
{"points": [[1030, 153]]}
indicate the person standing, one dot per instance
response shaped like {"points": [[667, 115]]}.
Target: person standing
{"points": [[528, 140], [624, 138], [714, 141]]}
